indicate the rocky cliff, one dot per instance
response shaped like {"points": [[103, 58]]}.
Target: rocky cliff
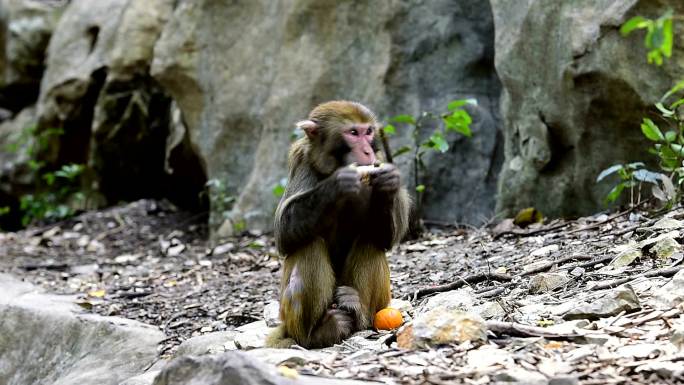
{"points": [[158, 97]]}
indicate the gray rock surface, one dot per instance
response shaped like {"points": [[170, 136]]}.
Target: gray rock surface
{"points": [[574, 94], [235, 368], [47, 339], [614, 301], [243, 73], [25, 29]]}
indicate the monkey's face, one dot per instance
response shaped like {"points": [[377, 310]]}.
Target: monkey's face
{"points": [[359, 139]]}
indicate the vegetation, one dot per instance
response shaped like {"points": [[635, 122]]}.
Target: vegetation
{"points": [[56, 192], [667, 137], [456, 119]]}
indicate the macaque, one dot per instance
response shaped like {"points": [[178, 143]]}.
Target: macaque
{"points": [[341, 211]]}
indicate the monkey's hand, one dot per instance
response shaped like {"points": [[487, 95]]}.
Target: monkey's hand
{"points": [[347, 299], [347, 182], [387, 180]]}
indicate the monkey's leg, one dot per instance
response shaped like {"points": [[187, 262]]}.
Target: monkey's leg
{"points": [[306, 298], [367, 271]]}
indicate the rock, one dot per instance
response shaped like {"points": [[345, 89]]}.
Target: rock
{"points": [[520, 376], [626, 257], [490, 310], [665, 248], [667, 224], [565, 379], [15, 175], [461, 299], [295, 357], [272, 314], [97, 88], [402, 305], [562, 118], [241, 92], [487, 358], [546, 282], [209, 343], [48, 339], [26, 29], [236, 368], [677, 338], [616, 300], [671, 294], [252, 335], [544, 251], [441, 325]]}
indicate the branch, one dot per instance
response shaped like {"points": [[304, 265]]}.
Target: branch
{"points": [[469, 280], [517, 329]]}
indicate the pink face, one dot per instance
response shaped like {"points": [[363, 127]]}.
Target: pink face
{"points": [[359, 137]]}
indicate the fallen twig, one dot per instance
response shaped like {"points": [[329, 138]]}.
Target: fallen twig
{"points": [[469, 280], [668, 272], [558, 261], [521, 330], [599, 224], [527, 233]]}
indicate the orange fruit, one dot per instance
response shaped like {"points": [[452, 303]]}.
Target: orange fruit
{"points": [[388, 319]]}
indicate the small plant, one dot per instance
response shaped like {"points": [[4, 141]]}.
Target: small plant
{"points": [[668, 138], [56, 193], [57, 200], [279, 188], [659, 36], [631, 177], [457, 119]]}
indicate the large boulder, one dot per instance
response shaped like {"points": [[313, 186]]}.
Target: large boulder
{"points": [[244, 72], [235, 368], [25, 29], [115, 117], [574, 94], [48, 339]]}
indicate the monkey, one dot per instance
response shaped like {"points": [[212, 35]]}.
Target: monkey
{"points": [[334, 226]]}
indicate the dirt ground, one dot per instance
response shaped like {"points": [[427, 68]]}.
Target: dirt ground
{"points": [[151, 262]]}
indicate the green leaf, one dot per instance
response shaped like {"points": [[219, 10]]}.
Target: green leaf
{"points": [[614, 194], [666, 113], [420, 188], [610, 170], [676, 104], [651, 131], [389, 129], [677, 87], [459, 121], [644, 175], [278, 190], [678, 149], [668, 158], [460, 103], [437, 142], [666, 45], [4, 210], [671, 136], [402, 150], [49, 178], [635, 165], [632, 24], [405, 118]]}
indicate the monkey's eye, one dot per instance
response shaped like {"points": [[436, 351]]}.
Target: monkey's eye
{"points": [[354, 132], [369, 131]]}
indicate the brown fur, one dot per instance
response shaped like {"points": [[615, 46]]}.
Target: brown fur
{"points": [[335, 276]]}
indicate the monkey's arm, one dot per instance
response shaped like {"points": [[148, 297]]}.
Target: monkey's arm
{"points": [[306, 205]]}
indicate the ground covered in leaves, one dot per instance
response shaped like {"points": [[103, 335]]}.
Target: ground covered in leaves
{"points": [[553, 294]]}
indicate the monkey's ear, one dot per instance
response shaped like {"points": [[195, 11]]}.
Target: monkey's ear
{"points": [[309, 127]]}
